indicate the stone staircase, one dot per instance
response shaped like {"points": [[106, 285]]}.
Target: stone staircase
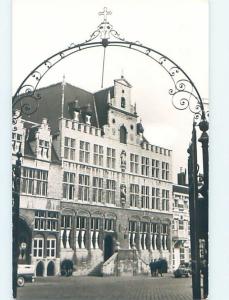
{"points": [[125, 263], [97, 270]]}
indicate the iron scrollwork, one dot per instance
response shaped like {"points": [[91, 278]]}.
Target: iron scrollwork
{"points": [[184, 92]]}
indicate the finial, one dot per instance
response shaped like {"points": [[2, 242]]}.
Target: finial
{"points": [[135, 107], [63, 81], [105, 13], [122, 73]]}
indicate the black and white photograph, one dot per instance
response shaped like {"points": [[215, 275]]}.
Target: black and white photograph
{"points": [[110, 142]]}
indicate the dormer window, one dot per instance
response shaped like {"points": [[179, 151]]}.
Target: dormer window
{"points": [[16, 142], [43, 147], [123, 102]]}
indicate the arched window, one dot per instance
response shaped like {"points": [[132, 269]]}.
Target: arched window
{"points": [[123, 134], [123, 102]]}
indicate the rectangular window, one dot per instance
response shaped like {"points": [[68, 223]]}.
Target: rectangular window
{"points": [[43, 148], [144, 227], [155, 168], [98, 155], [51, 248], [134, 195], [134, 163], [46, 220], [181, 224], [34, 181], [145, 197], [109, 225], [84, 154], [153, 204], [38, 246], [84, 183], [145, 166], [110, 191], [69, 148], [66, 222], [154, 228], [158, 204], [81, 222], [132, 226], [95, 223], [97, 189], [68, 185], [41, 182], [16, 142], [165, 171], [110, 158]]}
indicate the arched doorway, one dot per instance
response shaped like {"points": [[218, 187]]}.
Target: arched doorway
{"points": [[123, 134], [108, 247], [40, 269], [51, 269]]}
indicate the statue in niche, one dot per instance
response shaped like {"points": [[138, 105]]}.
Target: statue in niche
{"points": [[123, 160]]}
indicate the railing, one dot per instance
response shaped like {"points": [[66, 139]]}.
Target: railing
{"points": [[108, 268]]}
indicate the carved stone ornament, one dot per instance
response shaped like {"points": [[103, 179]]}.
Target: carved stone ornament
{"points": [[123, 160]]}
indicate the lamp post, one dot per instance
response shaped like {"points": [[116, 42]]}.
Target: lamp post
{"points": [[16, 174]]}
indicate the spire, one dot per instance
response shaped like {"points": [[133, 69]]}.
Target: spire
{"points": [[62, 98]]}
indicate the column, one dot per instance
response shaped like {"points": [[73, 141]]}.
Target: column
{"points": [[165, 242], [96, 240], [145, 240], [77, 237], [83, 232], [61, 238], [133, 238], [67, 238], [140, 241], [129, 239], [91, 237]]}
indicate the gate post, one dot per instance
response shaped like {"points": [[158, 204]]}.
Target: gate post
{"points": [[194, 217], [204, 212], [16, 174]]}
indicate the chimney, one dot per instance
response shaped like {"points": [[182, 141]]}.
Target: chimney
{"points": [[181, 177]]}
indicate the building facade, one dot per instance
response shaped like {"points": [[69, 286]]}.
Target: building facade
{"points": [[92, 186], [181, 222]]}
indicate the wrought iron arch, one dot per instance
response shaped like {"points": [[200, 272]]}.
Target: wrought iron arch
{"points": [[183, 92]]}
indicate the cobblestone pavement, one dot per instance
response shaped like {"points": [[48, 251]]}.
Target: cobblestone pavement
{"points": [[108, 288]]}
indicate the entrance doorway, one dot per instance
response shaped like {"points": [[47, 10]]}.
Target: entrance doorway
{"points": [[108, 247], [40, 269], [50, 269]]}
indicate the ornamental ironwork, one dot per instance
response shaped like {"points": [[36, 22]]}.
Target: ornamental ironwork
{"points": [[183, 90]]}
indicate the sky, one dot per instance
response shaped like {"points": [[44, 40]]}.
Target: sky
{"points": [[176, 28]]}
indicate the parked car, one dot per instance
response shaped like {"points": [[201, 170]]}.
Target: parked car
{"points": [[25, 273], [184, 270]]}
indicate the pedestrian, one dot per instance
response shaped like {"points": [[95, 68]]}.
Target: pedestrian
{"points": [[151, 265]]}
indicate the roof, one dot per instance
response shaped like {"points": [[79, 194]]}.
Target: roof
{"points": [[50, 104], [180, 189]]}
